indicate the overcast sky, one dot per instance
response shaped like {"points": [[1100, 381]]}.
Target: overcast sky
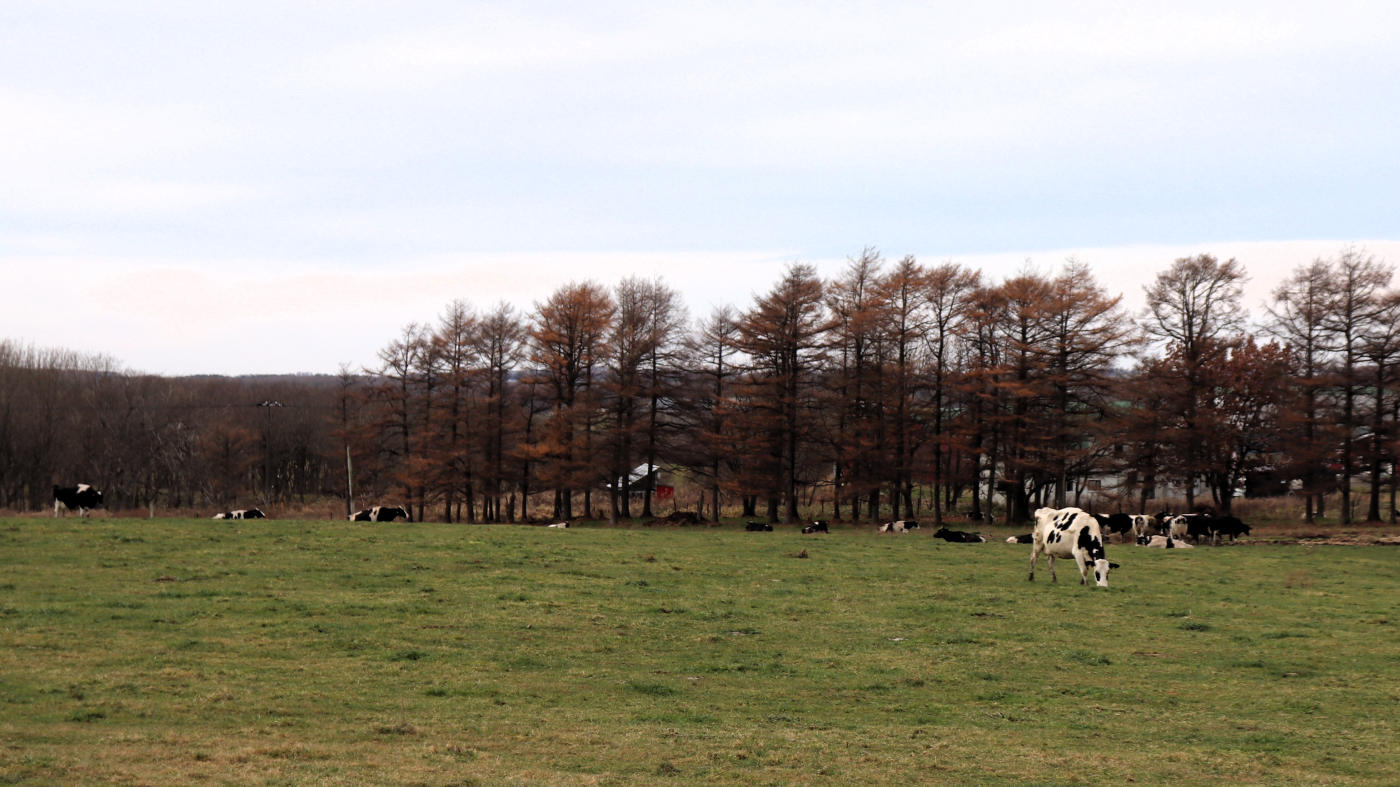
{"points": [[277, 187]]}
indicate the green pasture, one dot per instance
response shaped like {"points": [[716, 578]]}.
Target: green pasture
{"points": [[165, 652]]}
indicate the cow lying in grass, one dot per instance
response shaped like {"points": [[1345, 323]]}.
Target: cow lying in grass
{"points": [[816, 527], [1163, 542], [1072, 534], [898, 527], [251, 513], [381, 514], [758, 527], [958, 536]]}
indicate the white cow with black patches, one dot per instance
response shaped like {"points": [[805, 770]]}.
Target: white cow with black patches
{"points": [[1071, 534]]}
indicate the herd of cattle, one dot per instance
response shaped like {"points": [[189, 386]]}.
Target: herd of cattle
{"points": [[83, 499], [1164, 529], [1074, 534], [1067, 533]]}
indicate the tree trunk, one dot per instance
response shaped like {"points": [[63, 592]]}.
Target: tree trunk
{"points": [[1373, 512]]}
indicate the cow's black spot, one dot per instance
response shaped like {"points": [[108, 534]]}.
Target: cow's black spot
{"points": [[1096, 548], [1086, 541]]}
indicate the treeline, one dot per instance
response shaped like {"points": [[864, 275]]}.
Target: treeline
{"points": [[68, 418], [894, 386], [895, 389]]}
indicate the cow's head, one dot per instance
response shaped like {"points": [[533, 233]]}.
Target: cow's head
{"points": [[1101, 572]]}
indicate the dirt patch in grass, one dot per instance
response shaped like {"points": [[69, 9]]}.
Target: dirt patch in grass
{"points": [[1351, 540]]}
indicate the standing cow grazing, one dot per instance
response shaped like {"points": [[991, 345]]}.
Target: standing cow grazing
{"points": [[81, 497], [1070, 533]]}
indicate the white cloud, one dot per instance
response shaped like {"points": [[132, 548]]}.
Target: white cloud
{"points": [[214, 135], [1144, 35]]}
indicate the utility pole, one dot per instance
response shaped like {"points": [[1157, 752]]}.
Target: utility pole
{"points": [[349, 485], [267, 449]]}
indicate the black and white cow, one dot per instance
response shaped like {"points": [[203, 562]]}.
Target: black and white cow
{"points": [[1196, 526], [1071, 534], [1191, 526], [560, 525], [816, 527], [381, 514], [758, 527], [1116, 523], [250, 513], [1143, 525], [958, 536], [901, 526], [82, 497], [1028, 538]]}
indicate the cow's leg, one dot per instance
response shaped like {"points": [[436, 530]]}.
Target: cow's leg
{"points": [[1083, 567], [55, 508], [1050, 561], [1035, 557]]}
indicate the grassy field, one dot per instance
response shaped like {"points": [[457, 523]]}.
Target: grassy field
{"points": [[280, 652]]}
